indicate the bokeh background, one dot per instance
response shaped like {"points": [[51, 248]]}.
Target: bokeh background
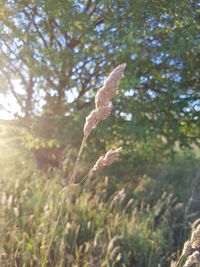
{"points": [[54, 56]]}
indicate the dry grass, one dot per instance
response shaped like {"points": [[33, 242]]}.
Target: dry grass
{"points": [[97, 227], [103, 223], [190, 255], [101, 112]]}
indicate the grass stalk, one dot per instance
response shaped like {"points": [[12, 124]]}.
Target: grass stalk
{"points": [[101, 112], [64, 198]]}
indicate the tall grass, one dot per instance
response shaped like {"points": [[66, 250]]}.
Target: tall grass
{"points": [[101, 112], [190, 255], [104, 223], [96, 228]]}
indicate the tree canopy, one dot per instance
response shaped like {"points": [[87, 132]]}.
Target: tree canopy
{"points": [[60, 52]]}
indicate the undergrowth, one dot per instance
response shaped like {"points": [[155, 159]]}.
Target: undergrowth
{"points": [[103, 223]]}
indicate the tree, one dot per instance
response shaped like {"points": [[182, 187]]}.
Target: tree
{"points": [[61, 50], [47, 47]]}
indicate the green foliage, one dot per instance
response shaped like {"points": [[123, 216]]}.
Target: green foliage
{"points": [[105, 222], [60, 52]]}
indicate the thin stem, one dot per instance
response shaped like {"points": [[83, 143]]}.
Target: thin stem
{"points": [[54, 229], [84, 178], [178, 264], [71, 180]]}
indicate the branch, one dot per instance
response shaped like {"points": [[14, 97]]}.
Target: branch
{"points": [[13, 90], [31, 18]]}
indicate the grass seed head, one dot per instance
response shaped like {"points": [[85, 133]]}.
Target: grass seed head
{"points": [[106, 160], [99, 164], [192, 259], [111, 156], [187, 248], [94, 117], [173, 264], [195, 239], [109, 89]]}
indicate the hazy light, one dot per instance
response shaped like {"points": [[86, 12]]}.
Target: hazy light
{"points": [[8, 104]]}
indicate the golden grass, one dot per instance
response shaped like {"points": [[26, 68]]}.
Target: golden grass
{"points": [[101, 112]]}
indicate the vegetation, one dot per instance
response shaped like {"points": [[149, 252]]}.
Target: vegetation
{"points": [[106, 222], [54, 55]]}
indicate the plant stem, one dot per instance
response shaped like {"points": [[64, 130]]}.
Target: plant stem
{"points": [[54, 229], [71, 180]]}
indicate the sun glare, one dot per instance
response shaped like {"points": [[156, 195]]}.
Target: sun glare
{"points": [[8, 104]]}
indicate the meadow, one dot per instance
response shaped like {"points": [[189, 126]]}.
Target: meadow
{"points": [[49, 219], [99, 133]]}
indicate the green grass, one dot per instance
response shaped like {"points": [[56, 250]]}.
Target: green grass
{"points": [[92, 217], [107, 221]]}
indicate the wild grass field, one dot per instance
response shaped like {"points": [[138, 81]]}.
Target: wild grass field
{"points": [[99, 133], [105, 222], [50, 219]]}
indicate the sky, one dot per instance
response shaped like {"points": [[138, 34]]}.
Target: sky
{"points": [[9, 103]]}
